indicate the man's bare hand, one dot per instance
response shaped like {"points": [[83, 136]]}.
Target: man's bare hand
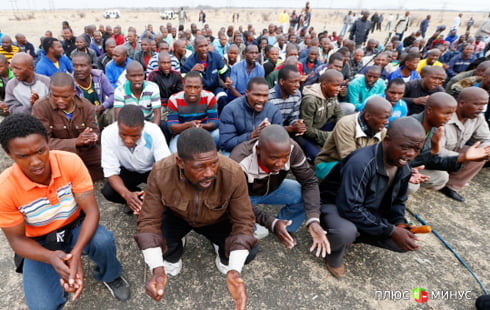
{"points": [[34, 97], [476, 153], [299, 127], [155, 288], [417, 177], [283, 235], [435, 141], [404, 238], [237, 289], [87, 137], [320, 241], [194, 123], [259, 128], [228, 82], [421, 100], [3, 107], [134, 201], [75, 279], [198, 67]]}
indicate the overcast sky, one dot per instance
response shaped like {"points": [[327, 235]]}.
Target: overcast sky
{"points": [[476, 5]]}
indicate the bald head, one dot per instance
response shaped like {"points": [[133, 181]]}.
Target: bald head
{"points": [[377, 113], [440, 100], [120, 49], [179, 43], [22, 58], [469, 93], [330, 75], [291, 60], [405, 127], [163, 55], [62, 79], [200, 39], [6, 39], [374, 69], [274, 134], [439, 109], [274, 148], [134, 66], [376, 105], [471, 103], [482, 67]]}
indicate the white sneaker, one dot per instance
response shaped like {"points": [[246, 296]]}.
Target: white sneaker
{"points": [[172, 269], [260, 232], [221, 267]]}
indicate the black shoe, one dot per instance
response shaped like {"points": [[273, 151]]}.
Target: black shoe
{"points": [[119, 288], [452, 194]]}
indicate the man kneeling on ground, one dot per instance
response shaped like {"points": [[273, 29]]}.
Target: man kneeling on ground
{"points": [[196, 189], [130, 147], [50, 217], [364, 195], [266, 163]]}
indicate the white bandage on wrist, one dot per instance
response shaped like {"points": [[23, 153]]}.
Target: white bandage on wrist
{"points": [[311, 220], [153, 257], [273, 226], [237, 260]]}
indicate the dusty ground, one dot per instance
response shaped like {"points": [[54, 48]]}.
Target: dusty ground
{"points": [[295, 279], [34, 23]]}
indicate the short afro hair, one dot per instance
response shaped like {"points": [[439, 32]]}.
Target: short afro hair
{"points": [[131, 115], [19, 126], [285, 71], [47, 43], [193, 141]]}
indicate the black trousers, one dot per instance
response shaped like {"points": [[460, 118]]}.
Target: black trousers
{"points": [[342, 232], [131, 180], [174, 229]]}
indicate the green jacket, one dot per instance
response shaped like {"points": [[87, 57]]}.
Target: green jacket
{"points": [[316, 111]]}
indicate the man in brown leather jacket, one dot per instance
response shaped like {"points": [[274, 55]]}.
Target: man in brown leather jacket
{"points": [[196, 189], [70, 122]]}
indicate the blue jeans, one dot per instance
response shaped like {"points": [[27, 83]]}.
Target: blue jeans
{"points": [[343, 30], [288, 194], [173, 143], [42, 287]]}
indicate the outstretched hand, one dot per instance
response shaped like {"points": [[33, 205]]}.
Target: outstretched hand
{"points": [[477, 153], [417, 177], [283, 235], [320, 241], [237, 289]]}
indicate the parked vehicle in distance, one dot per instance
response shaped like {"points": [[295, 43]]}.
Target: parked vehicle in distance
{"points": [[112, 14], [168, 14]]}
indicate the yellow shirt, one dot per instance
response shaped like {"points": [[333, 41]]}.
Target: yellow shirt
{"points": [[283, 18], [423, 63]]}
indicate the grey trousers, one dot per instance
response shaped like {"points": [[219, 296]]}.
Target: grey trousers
{"points": [[437, 180], [342, 232]]}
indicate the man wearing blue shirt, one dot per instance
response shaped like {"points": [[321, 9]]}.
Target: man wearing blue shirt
{"points": [[461, 61], [52, 59], [243, 71], [116, 67], [363, 87]]}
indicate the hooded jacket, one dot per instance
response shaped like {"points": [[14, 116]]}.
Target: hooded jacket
{"points": [[316, 111]]}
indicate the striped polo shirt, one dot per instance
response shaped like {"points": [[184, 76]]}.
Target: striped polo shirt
{"points": [[205, 109], [148, 101], [44, 208]]}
